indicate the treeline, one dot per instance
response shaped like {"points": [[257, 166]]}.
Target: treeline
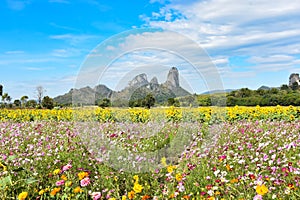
{"points": [[47, 102], [24, 102], [283, 96]]}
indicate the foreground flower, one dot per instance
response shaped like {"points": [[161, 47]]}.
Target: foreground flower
{"points": [[77, 190], [164, 161], [137, 188], [41, 192], [82, 175], [69, 183], [261, 189], [131, 195], [96, 195], [54, 191], [146, 197], [23, 195], [64, 177], [60, 183], [85, 182], [67, 167], [257, 197], [56, 172], [178, 177], [136, 178], [171, 168]]}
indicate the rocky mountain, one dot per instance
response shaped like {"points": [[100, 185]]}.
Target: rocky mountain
{"points": [[137, 88]]}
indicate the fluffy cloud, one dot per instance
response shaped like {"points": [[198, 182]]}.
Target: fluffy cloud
{"points": [[230, 25]]}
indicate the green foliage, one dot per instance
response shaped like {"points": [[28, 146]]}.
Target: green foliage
{"points": [[17, 103], [103, 103], [173, 102], [31, 104], [148, 101], [47, 102], [284, 96]]}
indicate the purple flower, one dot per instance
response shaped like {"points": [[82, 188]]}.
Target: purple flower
{"points": [[85, 182], [96, 195], [67, 167], [257, 197], [60, 182]]}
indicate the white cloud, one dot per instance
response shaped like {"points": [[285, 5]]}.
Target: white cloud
{"points": [[73, 39], [228, 25], [14, 52], [67, 52], [271, 59]]}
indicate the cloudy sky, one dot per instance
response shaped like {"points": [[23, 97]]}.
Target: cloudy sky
{"points": [[60, 44]]}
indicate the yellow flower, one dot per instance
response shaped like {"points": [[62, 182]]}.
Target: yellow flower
{"points": [[171, 168], [64, 177], [112, 199], [137, 188], [136, 178], [41, 192], [235, 180], [178, 177], [261, 189], [57, 171], [131, 195], [69, 183], [3, 166], [82, 175], [123, 197], [211, 198], [54, 191], [23, 195], [77, 190], [164, 161]]}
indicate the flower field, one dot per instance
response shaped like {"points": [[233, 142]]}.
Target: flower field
{"points": [[221, 153]]}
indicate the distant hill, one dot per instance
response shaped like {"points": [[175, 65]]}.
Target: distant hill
{"points": [[137, 88], [218, 91]]}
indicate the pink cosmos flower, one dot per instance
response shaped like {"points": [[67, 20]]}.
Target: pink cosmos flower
{"points": [[85, 182], [257, 197], [67, 167], [96, 195], [60, 182]]}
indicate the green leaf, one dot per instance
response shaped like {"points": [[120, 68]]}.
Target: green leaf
{"points": [[10, 158], [30, 180], [5, 181]]}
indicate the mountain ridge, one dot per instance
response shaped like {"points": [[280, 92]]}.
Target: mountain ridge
{"points": [[137, 88]]}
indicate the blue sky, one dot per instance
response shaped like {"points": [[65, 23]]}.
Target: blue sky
{"points": [[48, 42]]}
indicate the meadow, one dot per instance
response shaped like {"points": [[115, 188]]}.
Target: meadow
{"points": [[160, 153]]}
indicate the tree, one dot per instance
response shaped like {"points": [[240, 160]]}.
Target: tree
{"points": [[31, 103], [4, 98], [1, 90], [104, 103], [17, 103], [24, 100], [173, 102], [48, 102], [295, 86], [8, 98], [284, 87], [149, 101], [40, 94]]}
